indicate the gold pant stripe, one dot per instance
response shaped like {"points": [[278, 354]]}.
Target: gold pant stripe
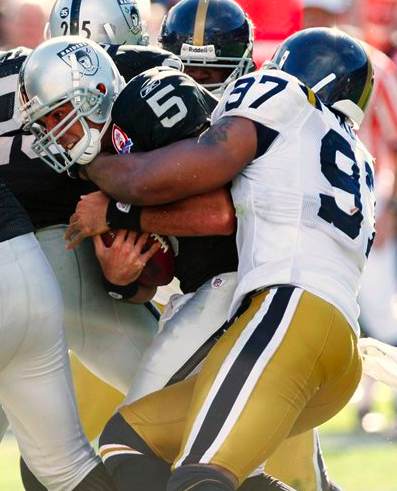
{"points": [[116, 453], [106, 449], [199, 24]]}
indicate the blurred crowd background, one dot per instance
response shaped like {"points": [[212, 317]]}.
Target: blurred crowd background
{"points": [[22, 23]]}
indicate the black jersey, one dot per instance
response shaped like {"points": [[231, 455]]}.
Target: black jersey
{"points": [[133, 60], [201, 258], [158, 107], [14, 221], [50, 198]]}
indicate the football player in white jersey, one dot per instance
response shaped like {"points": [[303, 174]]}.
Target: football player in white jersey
{"points": [[185, 38], [302, 188]]}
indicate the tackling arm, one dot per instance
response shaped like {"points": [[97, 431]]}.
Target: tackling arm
{"points": [[206, 214], [202, 215], [183, 169]]}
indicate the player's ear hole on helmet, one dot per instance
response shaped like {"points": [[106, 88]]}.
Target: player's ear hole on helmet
{"points": [[102, 88]]}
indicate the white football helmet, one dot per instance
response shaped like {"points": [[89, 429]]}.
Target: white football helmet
{"points": [[103, 21], [75, 70]]}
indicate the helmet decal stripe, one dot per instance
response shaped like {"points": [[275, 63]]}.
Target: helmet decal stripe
{"points": [[75, 17], [322, 83], [363, 101], [199, 24]]}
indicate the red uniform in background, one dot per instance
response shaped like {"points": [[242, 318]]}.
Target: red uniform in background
{"points": [[274, 21]]}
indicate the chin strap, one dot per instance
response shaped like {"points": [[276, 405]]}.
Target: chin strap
{"points": [[93, 136]]}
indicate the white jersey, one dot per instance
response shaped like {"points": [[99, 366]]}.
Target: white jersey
{"points": [[305, 207]]}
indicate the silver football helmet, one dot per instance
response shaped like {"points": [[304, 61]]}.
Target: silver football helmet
{"points": [[103, 21], [71, 70]]}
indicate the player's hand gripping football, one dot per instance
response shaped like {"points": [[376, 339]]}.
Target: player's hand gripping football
{"points": [[122, 262], [88, 220]]}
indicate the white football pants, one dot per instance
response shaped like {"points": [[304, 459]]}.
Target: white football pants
{"points": [[187, 323], [108, 336], [36, 391]]}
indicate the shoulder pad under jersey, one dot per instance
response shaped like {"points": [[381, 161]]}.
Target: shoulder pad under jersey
{"points": [[161, 106], [133, 60], [270, 97]]}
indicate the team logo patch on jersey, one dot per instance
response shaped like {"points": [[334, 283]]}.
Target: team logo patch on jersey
{"points": [[148, 87], [64, 13], [82, 56], [122, 144]]}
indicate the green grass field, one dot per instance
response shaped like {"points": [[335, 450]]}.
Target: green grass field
{"points": [[357, 461]]}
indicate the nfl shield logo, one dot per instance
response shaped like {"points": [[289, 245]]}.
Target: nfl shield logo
{"points": [[122, 144], [64, 13]]}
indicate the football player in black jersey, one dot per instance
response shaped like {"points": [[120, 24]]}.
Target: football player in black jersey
{"points": [[50, 199], [149, 89]]}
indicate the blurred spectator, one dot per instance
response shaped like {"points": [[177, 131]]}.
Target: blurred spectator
{"points": [[379, 24], [325, 12], [24, 22], [166, 4], [2, 33], [273, 21], [153, 24]]}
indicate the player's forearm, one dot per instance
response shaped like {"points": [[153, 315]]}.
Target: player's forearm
{"points": [[209, 214], [154, 177], [183, 169]]}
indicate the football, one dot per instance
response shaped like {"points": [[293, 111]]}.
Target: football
{"points": [[108, 238], [159, 270]]}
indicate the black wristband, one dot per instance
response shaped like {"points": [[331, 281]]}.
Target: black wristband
{"points": [[120, 215], [120, 292]]}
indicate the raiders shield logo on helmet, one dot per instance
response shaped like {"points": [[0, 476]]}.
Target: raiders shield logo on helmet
{"points": [[82, 56]]}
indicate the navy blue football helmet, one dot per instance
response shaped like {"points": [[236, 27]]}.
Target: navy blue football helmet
{"points": [[210, 34], [333, 64]]}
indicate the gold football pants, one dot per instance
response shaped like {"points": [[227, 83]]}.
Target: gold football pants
{"points": [[288, 362]]}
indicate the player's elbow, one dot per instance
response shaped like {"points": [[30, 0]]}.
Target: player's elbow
{"points": [[222, 223]]}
